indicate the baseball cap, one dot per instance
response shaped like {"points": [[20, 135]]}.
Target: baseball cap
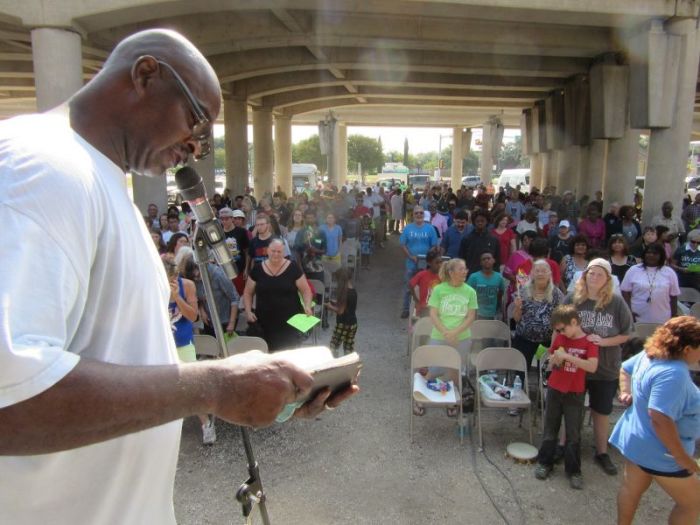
{"points": [[564, 224], [600, 263], [226, 212], [238, 213]]}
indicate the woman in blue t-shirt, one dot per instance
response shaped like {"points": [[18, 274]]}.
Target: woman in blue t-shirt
{"points": [[657, 433]]}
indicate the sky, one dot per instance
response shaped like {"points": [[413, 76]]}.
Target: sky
{"points": [[420, 140]]}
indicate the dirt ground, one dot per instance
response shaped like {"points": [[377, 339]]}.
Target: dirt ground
{"points": [[357, 465]]}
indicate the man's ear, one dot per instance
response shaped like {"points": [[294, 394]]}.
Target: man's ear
{"points": [[143, 71]]}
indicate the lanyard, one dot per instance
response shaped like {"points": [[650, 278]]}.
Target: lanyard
{"points": [[651, 282]]}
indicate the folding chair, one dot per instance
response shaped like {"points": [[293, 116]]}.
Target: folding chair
{"points": [[245, 343], [329, 268], [421, 333], [501, 358], [689, 295], [695, 310], [442, 356], [206, 345], [349, 257], [319, 299], [644, 330], [412, 318], [488, 329]]}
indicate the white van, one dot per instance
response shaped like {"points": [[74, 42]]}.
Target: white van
{"points": [[304, 176], [514, 177]]}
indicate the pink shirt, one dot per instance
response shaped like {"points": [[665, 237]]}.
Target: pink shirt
{"points": [[595, 231]]}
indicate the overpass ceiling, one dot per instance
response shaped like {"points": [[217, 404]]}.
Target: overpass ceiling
{"points": [[390, 62]]}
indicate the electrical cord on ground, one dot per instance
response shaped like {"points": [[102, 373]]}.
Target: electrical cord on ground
{"points": [[486, 490]]}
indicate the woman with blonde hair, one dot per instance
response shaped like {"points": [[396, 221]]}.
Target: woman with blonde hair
{"points": [[657, 433], [607, 320], [453, 308]]}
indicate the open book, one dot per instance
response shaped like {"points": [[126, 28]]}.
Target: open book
{"points": [[335, 372]]}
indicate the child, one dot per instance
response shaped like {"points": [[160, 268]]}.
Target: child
{"points": [[489, 286], [571, 356], [344, 307], [426, 280], [366, 240]]}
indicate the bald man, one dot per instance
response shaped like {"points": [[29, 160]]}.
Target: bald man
{"points": [[91, 391]]}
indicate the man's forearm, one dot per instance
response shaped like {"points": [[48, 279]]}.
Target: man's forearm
{"points": [[98, 401]]}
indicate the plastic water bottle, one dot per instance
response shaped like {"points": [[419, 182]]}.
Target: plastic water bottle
{"points": [[517, 386]]}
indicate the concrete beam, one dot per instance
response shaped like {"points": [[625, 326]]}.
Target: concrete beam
{"points": [[577, 117], [247, 64]]}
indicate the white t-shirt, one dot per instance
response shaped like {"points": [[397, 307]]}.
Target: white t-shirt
{"points": [[651, 290], [80, 279], [372, 202]]}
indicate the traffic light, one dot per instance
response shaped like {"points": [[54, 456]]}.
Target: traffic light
{"points": [[441, 164]]}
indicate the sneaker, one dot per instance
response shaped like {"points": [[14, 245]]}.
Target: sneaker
{"points": [[576, 481], [543, 471], [404, 314], [604, 462], [208, 433], [514, 412]]}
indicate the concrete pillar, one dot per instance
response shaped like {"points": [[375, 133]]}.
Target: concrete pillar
{"points": [[456, 172], [597, 164], [491, 140], [546, 162], [668, 148], [283, 153], [236, 144], [536, 171], [623, 163], [205, 168], [262, 151], [149, 190], [582, 172], [567, 173], [58, 68], [342, 154]]}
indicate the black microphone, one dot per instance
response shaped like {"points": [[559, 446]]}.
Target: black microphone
{"points": [[192, 190]]}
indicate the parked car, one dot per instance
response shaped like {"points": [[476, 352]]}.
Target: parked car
{"points": [[692, 185], [515, 177], [471, 181]]}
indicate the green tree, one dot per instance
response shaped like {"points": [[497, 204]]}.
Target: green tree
{"points": [[219, 153], [308, 151], [511, 155], [393, 156], [405, 152], [366, 151], [427, 161]]}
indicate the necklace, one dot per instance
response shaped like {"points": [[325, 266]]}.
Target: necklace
{"points": [[651, 281]]}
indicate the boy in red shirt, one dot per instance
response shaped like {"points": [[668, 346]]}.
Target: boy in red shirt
{"points": [[426, 280], [571, 356]]}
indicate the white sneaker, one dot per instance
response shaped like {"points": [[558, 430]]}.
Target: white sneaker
{"points": [[208, 433]]}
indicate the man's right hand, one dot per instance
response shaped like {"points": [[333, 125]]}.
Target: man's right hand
{"points": [[251, 389]]}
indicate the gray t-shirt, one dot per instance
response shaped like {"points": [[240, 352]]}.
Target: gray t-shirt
{"points": [[614, 319]]}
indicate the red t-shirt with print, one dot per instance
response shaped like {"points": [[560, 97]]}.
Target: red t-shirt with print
{"points": [[568, 377]]}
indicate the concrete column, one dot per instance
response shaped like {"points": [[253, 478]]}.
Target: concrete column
{"points": [[262, 148], [456, 172], [58, 68], [623, 163], [149, 190], [342, 130], [668, 148], [486, 160], [569, 163], [236, 144], [283, 154], [546, 163], [205, 168], [597, 164], [536, 170], [582, 172]]}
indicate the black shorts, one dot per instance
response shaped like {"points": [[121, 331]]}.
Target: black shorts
{"points": [[683, 473], [600, 395]]}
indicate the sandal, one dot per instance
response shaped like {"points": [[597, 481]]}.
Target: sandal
{"points": [[418, 409], [452, 411]]}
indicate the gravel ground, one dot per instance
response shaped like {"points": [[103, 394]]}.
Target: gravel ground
{"points": [[357, 465]]}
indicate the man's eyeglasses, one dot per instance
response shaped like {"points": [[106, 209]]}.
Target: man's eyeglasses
{"points": [[201, 131]]}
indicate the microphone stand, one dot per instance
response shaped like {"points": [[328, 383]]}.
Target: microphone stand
{"points": [[250, 492]]}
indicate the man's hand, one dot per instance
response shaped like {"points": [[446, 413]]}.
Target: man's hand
{"points": [[251, 389], [324, 400]]}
